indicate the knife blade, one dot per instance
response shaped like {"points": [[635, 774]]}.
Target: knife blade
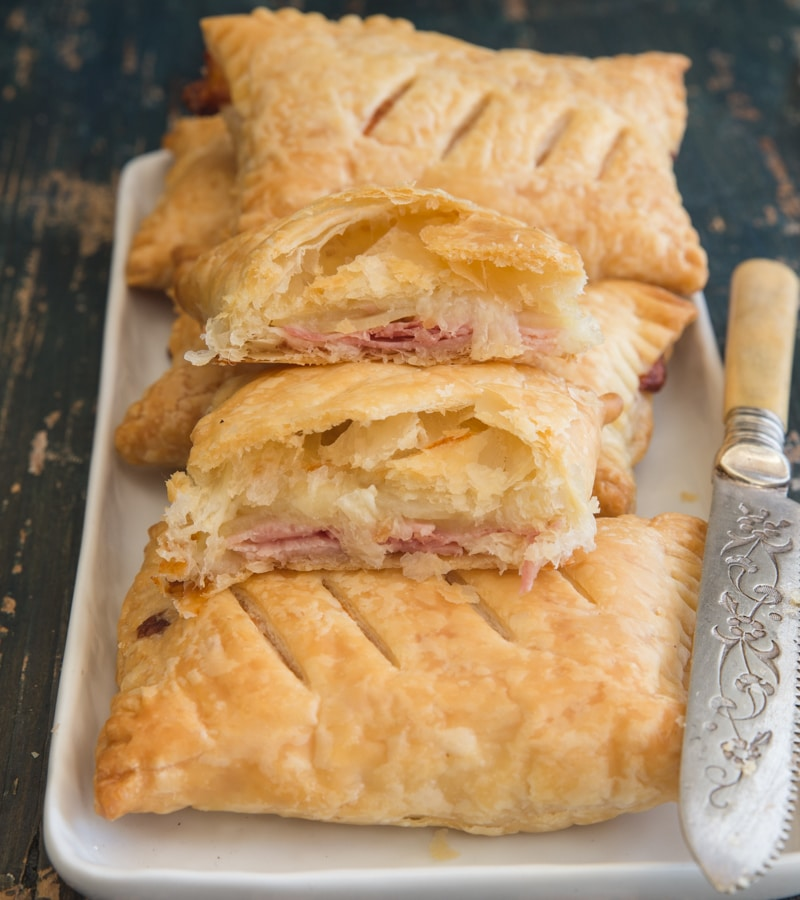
{"points": [[739, 765]]}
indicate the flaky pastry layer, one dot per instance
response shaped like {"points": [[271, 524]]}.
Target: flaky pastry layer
{"points": [[640, 325], [196, 208]]}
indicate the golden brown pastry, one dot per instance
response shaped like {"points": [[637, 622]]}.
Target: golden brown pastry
{"points": [[196, 208], [368, 465], [388, 273], [363, 697], [156, 429], [582, 148], [640, 325], [644, 87]]}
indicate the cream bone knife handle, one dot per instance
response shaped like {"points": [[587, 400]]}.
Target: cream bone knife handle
{"points": [[761, 335], [758, 368]]}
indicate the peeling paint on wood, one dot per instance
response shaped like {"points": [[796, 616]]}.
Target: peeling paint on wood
{"points": [[60, 200], [787, 196], [24, 60], [16, 19], [515, 10], [722, 79]]}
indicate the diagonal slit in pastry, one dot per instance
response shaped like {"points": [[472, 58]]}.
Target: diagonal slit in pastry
{"points": [[385, 107], [364, 465], [481, 608], [272, 636], [340, 595], [468, 123], [395, 274], [552, 135]]}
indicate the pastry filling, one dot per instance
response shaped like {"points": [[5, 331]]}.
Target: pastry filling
{"points": [[654, 379], [408, 336]]}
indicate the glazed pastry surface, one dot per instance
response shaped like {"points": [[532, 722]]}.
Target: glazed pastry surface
{"points": [[582, 148]]}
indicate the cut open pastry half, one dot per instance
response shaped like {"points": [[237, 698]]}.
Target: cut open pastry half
{"points": [[389, 273], [370, 465]]}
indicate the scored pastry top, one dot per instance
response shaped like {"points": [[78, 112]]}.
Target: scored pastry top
{"points": [[567, 144]]}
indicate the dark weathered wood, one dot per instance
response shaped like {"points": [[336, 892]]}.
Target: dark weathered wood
{"points": [[87, 84]]}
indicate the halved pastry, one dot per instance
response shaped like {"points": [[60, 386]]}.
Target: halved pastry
{"points": [[388, 273], [369, 465], [363, 697], [581, 148], [197, 208]]}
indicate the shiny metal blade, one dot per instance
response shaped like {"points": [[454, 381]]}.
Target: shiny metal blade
{"points": [[740, 752]]}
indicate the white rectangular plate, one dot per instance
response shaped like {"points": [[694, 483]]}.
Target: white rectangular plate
{"points": [[199, 855]]}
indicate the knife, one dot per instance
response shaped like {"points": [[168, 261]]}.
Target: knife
{"points": [[739, 765]]}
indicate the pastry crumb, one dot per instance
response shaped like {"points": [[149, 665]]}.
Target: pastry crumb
{"points": [[440, 848], [37, 455]]}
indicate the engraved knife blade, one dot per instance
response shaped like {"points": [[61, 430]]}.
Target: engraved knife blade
{"points": [[739, 765]]}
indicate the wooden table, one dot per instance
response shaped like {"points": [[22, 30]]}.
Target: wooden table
{"points": [[87, 84]]}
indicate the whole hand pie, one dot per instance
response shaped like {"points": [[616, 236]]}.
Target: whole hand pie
{"points": [[366, 698], [582, 148], [389, 273], [367, 465]]}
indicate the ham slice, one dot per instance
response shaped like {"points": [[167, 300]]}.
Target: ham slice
{"points": [[284, 542], [409, 335], [653, 380]]}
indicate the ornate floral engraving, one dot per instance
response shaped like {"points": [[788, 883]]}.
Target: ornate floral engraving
{"points": [[748, 676]]}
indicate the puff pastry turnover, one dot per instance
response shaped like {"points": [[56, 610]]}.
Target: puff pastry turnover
{"points": [[196, 208], [582, 148], [364, 697], [365, 465], [389, 273]]}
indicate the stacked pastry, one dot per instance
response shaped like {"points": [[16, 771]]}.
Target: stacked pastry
{"points": [[399, 578]]}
